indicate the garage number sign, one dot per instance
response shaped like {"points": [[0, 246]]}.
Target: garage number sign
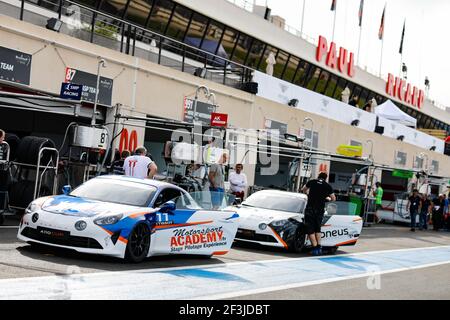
{"points": [[15, 66], [203, 111], [89, 83]]}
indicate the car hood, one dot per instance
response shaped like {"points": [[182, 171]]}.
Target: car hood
{"points": [[258, 215], [81, 207]]}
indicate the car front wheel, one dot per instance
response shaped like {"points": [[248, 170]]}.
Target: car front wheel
{"points": [[298, 244], [138, 243]]}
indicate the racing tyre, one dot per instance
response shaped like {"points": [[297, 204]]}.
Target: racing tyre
{"points": [[13, 141], [138, 243], [298, 244], [332, 250], [2, 219], [29, 147]]}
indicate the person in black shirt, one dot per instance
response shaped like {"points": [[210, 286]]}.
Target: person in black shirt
{"points": [[319, 191], [438, 212], [413, 207], [117, 166], [424, 211]]}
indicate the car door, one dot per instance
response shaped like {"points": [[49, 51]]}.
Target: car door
{"points": [[189, 229]]}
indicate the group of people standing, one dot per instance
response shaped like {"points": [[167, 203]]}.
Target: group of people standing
{"points": [[436, 209], [140, 165]]}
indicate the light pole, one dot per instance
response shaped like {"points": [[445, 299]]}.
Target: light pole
{"points": [[371, 149], [101, 63], [422, 155], [300, 165]]}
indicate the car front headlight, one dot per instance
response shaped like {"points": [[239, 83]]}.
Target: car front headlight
{"points": [[33, 207], [278, 223], [108, 220]]}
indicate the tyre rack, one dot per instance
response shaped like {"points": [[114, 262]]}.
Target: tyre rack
{"points": [[40, 171]]}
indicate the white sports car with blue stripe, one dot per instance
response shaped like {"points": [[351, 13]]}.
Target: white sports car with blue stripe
{"points": [[128, 218]]}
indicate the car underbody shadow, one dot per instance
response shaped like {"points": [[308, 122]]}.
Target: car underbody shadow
{"points": [[95, 262]]}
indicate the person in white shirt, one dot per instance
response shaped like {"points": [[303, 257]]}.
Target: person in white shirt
{"points": [[139, 165], [238, 182]]}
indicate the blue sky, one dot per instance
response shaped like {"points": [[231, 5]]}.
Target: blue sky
{"points": [[426, 49]]}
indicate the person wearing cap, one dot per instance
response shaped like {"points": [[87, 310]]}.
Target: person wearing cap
{"points": [[318, 191]]}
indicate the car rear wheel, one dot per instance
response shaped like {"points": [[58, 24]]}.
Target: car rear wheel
{"points": [[298, 244], [138, 243], [331, 250]]}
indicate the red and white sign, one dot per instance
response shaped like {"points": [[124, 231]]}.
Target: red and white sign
{"points": [[341, 62], [219, 119], [399, 88]]}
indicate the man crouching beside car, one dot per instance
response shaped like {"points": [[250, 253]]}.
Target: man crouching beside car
{"points": [[318, 191]]}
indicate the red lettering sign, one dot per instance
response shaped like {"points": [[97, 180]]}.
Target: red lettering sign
{"points": [[332, 60], [400, 89], [219, 119]]}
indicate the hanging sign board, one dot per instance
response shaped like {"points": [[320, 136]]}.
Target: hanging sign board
{"points": [[89, 83], [349, 151], [15, 66]]}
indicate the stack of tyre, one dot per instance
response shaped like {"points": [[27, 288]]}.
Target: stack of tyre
{"points": [[25, 155]]}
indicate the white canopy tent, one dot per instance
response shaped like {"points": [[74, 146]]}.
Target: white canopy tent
{"points": [[390, 111]]}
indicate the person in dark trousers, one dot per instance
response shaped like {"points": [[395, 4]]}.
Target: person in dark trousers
{"points": [[319, 191], [438, 212], [4, 174], [425, 209], [413, 207]]}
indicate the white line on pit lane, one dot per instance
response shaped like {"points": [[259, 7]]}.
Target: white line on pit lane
{"points": [[9, 227], [195, 282], [229, 264], [311, 283]]}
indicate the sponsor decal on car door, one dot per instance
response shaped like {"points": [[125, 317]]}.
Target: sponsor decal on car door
{"points": [[193, 232]]}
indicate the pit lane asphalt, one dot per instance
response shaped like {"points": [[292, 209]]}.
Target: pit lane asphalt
{"points": [[18, 260]]}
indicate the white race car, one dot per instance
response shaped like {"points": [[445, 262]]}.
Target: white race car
{"points": [[276, 218], [128, 218]]}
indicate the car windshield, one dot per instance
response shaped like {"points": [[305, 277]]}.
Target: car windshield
{"points": [[115, 191], [282, 202]]}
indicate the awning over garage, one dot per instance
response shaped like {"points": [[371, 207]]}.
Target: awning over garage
{"points": [[46, 104]]}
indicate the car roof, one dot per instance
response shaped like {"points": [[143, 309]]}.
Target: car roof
{"points": [[150, 182], [280, 192]]}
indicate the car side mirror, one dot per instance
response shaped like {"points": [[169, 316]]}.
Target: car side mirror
{"points": [[67, 189], [168, 207]]}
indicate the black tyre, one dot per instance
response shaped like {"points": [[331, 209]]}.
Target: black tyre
{"points": [[2, 219], [13, 141], [331, 250], [21, 193], [138, 243], [298, 244], [28, 150]]}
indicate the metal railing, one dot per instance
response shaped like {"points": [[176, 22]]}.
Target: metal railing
{"points": [[100, 28]]}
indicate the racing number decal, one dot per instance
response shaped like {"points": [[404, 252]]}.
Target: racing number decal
{"points": [[132, 165], [159, 217]]}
